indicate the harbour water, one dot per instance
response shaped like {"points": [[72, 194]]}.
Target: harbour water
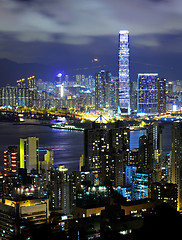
{"points": [[67, 145]]}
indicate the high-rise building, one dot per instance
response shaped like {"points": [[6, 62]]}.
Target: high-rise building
{"points": [[107, 152], [11, 166], [21, 83], [59, 189], [107, 88], [170, 89], [32, 83], [32, 91], [18, 217], [166, 192], [129, 174], [140, 186], [154, 136], [133, 97], [22, 93], [124, 78], [113, 95], [144, 152], [8, 96], [49, 159], [176, 166], [29, 153], [100, 91], [147, 93], [11, 161], [95, 145], [59, 92], [162, 95]]}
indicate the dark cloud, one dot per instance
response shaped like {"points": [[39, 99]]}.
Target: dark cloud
{"points": [[27, 1], [78, 21], [158, 1], [70, 33]]}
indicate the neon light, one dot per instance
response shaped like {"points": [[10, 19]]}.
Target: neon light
{"points": [[59, 75], [148, 74]]}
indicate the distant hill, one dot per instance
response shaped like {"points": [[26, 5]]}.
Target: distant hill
{"points": [[11, 71]]}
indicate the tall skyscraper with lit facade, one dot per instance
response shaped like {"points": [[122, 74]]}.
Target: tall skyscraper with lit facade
{"points": [[100, 90], [124, 78], [32, 83], [29, 153], [162, 95], [11, 162], [147, 93], [176, 165], [8, 96], [59, 92]]}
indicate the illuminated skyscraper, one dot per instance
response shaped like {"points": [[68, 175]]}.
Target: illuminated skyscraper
{"points": [[176, 165], [140, 186], [49, 159], [124, 78], [147, 93], [11, 166], [100, 89], [21, 83], [162, 95], [8, 96], [32, 83], [106, 152], [154, 138], [59, 86], [29, 153], [11, 163]]}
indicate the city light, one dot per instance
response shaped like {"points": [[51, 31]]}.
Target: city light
{"points": [[59, 75], [95, 60], [124, 78], [108, 147]]}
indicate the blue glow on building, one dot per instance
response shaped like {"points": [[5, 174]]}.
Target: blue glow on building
{"points": [[124, 78], [140, 186], [136, 184], [125, 192], [147, 93], [129, 173]]}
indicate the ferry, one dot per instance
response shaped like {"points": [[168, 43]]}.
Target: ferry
{"points": [[62, 125]]}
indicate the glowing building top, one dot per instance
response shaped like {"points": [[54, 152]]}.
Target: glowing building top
{"points": [[124, 78], [59, 86]]}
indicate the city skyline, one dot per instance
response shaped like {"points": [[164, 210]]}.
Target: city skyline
{"points": [[91, 127], [69, 36]]}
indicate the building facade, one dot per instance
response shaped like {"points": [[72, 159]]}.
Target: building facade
{"points": [[100, 91], [162, 95], [124, 78], [18, 217], [29, 153], [147, 93], [176, 163]]}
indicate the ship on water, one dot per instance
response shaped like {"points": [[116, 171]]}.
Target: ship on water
{"points": [[63, 125]]}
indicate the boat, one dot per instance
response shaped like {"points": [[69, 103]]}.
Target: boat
{"points": [[62, 125]]}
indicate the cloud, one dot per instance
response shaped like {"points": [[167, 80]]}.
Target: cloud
{"points": [[77, 22]]}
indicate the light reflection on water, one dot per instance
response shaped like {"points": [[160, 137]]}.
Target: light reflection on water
{"points": [[68, 145]]}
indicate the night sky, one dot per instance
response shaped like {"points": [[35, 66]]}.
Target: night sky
{"points": [[69, 34]]}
